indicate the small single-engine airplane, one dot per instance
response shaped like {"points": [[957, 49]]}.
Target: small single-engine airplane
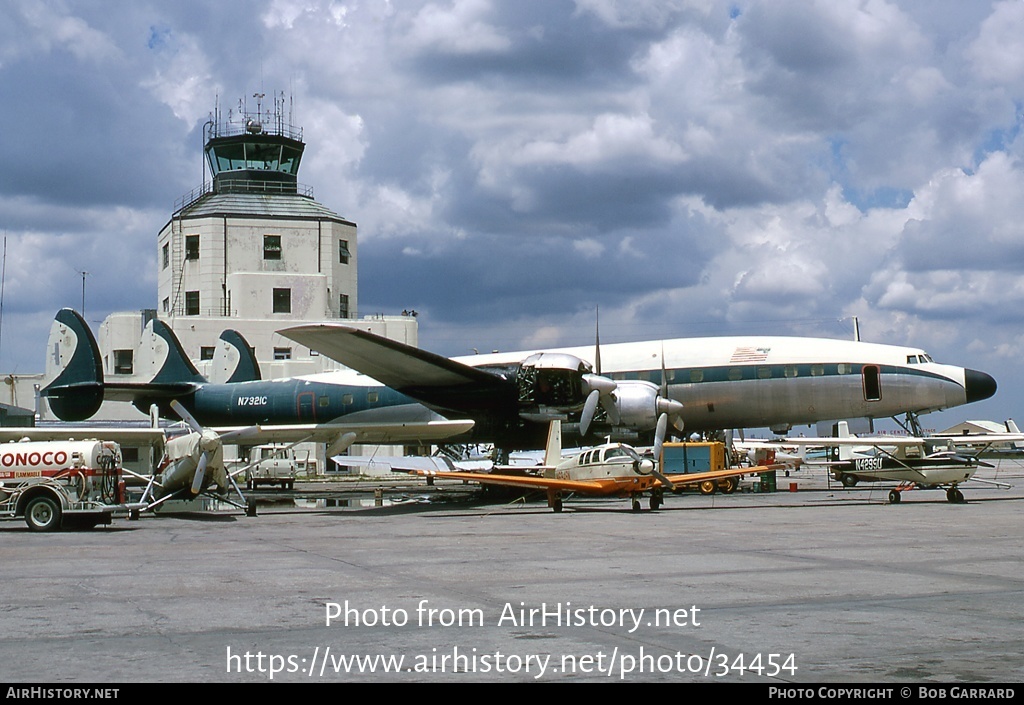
{"points": [[607, 470], [912, 462], [193, 465]]}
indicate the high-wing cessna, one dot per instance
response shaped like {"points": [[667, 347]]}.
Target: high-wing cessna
{"points": [[607, 470], [912, 462], [334, 408], [698, 383]]}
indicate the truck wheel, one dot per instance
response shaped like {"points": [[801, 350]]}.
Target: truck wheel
{"points": [[42, 514]]}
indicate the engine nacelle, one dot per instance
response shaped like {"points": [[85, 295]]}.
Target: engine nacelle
{"points": [[637, 402], [552, 381]]}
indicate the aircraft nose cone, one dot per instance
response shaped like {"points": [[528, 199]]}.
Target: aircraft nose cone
{"points": [[978, 385]]}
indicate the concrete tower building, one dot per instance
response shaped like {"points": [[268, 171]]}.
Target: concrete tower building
{"points": [[251, 250]]}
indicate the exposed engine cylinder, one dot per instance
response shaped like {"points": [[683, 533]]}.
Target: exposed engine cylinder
{"points": [[552, 380]]}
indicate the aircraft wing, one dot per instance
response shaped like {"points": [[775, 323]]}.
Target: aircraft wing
{"points": [[391, 363], [413, 464], [981, 439], [123, 435], [349, 433], [526, 481], [693, 478]]}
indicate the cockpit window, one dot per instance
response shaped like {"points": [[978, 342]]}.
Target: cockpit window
{"points": [[911, 359]]}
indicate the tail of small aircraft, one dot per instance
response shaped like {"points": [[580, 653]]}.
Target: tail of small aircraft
{"points": [[73, 382], [553, 450], [842, 452], [1011, 427], [233, 360]]}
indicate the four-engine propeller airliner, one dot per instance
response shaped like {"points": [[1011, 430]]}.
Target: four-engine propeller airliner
{"points": [[700, 384], [405, 394]]}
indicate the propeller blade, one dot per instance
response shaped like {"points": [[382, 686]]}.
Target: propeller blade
{"points": [[186, 416], [971, 461], [589, 409], [659, 435], [247, 433], [197, 481], [604, 386], [659, 444]]}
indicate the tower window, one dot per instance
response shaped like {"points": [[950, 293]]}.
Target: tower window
{"points": [[282, 300], [166, 255], [343, 253], [282, 353], [191, 303], [343, 306], [206, 352], [271, 247], [191, 247]]}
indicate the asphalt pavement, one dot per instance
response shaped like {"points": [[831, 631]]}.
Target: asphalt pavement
{"points": [[385, 582]]}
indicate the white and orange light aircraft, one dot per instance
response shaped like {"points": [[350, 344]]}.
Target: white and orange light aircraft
{"points": [[608, 470]]}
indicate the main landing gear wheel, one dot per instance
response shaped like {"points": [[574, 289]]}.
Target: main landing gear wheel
{"points": [[636, 504], [556, 505], [848, 480], [708, 487], [895, 496], [954, 495], [42, 514], [656, 501]]}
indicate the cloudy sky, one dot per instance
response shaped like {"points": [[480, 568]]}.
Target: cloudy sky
{"points": [[691, 167]]}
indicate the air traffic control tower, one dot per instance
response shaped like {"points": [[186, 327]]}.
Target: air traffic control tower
{"points": [[251, 250]]}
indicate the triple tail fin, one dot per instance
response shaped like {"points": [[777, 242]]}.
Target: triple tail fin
{"points": [[162, 359], [73, 382], [234, 360]]}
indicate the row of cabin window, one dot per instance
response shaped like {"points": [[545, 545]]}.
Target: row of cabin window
{"points": [[282, 303], [271, 249], [735, 373]]}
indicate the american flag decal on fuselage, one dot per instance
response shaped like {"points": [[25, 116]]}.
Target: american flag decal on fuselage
{"points": [[750, 355]]}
